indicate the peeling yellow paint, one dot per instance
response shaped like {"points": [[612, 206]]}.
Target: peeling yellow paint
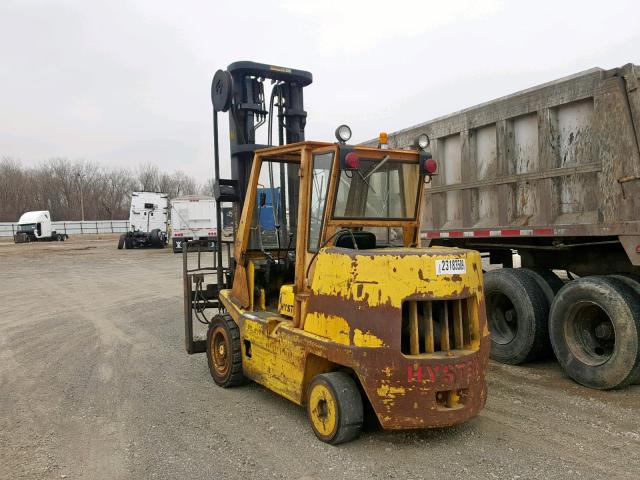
{"points": [[387, 279], [328, 326], [366, 339], [386, 390]]}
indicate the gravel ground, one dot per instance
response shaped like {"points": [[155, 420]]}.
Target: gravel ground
{"points": [[95, 383]]}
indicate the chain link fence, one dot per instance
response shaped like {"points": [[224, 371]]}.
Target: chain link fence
{"points": [[87, 227]]}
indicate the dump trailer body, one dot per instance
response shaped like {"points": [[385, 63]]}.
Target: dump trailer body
{"points": [[551, 173], [193, 217], [555, 161]]}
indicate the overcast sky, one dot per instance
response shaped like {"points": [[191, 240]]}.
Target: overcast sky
{"points": [[127, 82]]}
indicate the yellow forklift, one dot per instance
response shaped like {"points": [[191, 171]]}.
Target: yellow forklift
{"points": [[325, 295]]}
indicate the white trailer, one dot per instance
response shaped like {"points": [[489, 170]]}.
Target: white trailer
{"points": [[36, 226], [193, 217], [147, 221]]}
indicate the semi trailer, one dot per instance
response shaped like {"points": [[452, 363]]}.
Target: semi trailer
{"points": [[551, 173], [36, 227], [193, 217], [147, 221]]}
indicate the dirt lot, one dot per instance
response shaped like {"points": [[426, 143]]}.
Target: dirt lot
{"points": [[95, 383]]}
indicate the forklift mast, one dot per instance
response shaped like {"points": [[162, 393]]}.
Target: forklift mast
{"points": [[240, 91]]}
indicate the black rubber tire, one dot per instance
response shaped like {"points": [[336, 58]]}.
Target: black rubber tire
{"points": [[631, 276], [549, 294], [231, 376], [349, 407], [155, 237], [517, 312], [579, 309], [553, 281], [127, 242], [121, 242], [632, 281], [629, 280]]}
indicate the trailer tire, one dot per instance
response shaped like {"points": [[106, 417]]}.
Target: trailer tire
{"points": [[553, 281], [334, 407], [632, 276], [121, 242], [155, 237], [629, 280], [517, 313], [595, 332], [224, 353], [632, 281]]}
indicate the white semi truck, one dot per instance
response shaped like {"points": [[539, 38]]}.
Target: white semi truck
{"points": [[193, 217], [36, 226], [147, 221]]}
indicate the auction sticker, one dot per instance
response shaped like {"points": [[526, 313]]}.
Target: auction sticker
{"points": [[451, 266]]}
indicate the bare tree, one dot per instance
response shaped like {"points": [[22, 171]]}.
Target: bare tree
{"points": [[62, 187], [149, 178], [207, 187]]}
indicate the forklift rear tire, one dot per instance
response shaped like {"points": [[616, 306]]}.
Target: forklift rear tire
{"points": [[224, 354], [120, 242], [334, 407]]}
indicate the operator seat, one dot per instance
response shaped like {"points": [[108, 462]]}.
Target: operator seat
{"points": [[364, 240]]}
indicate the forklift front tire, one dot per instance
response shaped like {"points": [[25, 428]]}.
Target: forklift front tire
{"points": [[334, 407], [120, 242], [224, 354]]}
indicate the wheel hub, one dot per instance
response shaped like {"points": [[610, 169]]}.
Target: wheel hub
{"points": [[219, 351], [590, 334], [503, 318], [323, 410], [604, 331]]}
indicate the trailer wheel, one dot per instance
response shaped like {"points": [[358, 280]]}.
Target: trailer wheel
{"points": [[632, 281], [629, 280], [224, 354], [517, 312], [121, 242], [155, 238], [334, 407], [553, 281], [632, 276], [595, 332]]}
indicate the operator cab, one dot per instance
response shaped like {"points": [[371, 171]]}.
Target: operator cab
{"points": [[357, 198]]}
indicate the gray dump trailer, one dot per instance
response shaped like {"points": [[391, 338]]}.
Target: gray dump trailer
{"points": [[551, 173]]}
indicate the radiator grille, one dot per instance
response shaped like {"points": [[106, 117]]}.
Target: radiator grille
{"points": [[432, 326]]}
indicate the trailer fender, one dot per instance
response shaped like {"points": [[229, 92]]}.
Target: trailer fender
{"points": [[631, 244]]}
